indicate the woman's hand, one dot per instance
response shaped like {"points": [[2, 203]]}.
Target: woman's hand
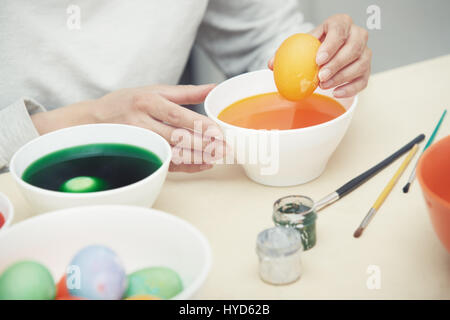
{"points": [[343, 57], [156, 108]]}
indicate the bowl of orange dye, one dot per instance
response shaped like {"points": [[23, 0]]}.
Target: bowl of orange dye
{"points": [[433, 173], [278, 142]]}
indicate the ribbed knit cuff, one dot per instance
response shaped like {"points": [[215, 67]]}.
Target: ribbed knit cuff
{"points": [[16, 127]]}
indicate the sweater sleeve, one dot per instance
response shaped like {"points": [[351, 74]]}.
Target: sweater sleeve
{"points": [[242, 35], [16, 127]]}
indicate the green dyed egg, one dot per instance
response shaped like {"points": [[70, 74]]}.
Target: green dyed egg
{"points": [[27, 280], [83, 184], [161, 282]]}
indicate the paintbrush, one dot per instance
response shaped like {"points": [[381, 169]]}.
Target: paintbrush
{"points": [[429, 142], [384, 194]]}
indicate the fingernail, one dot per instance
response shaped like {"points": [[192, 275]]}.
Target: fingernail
{"points": [[321, 58], [339, 93], [324, 74], [327, 84]]}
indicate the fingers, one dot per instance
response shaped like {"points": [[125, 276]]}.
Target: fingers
{"points": [[189, 156], [184, 129], [171, 113], [185, 94], [337, 30], [351, 51], [186, 139], [186, 160], [352, 88], [349, 73]]}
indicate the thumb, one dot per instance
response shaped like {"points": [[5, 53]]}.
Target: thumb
{"points": [[186, 94]]}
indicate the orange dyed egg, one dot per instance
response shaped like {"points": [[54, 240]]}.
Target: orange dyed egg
{"points": [[62, 293], [295, 69], [61, 288]]}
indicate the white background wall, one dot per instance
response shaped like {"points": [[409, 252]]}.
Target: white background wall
{"points": [[411, 31]]}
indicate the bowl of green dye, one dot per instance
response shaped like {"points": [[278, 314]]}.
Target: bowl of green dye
{"points": [[92, 165]]}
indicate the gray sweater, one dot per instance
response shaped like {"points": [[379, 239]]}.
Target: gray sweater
{"points": [[58, 54]]}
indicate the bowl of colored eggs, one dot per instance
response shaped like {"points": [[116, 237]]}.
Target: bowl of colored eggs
{"points": [[281, 126], [103, 252], [6, 211], [92, 165]]}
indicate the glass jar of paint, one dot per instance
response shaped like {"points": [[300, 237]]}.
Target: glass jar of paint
{"points": [[279, 252], [297, 212]]}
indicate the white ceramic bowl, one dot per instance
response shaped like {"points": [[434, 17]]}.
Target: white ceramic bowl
{"points": [[141, 237], [141, 193], [7, 210], [301, 155]]}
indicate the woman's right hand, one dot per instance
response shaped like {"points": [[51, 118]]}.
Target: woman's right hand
{"points": [[157, 108]]}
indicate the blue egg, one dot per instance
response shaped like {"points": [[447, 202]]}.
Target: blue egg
{"points": [[96, 273]]}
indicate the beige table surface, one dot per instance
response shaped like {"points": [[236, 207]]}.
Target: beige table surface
{"points": [[231, 210]]}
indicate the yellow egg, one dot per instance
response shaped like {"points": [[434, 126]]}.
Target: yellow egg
{"points": [[294, 68]]}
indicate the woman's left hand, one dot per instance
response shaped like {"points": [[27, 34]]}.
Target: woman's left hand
{"points": [[343, 56]]}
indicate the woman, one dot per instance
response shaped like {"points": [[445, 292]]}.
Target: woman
{"points": [[76, 61]]}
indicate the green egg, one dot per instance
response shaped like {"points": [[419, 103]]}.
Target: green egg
{"points": [[83, 184], [27, 280], [161, 282]]}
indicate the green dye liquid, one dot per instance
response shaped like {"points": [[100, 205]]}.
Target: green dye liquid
{"points": [[109, 165]]}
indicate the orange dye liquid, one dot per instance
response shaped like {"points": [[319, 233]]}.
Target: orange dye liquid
{"points": [[272, 111]]}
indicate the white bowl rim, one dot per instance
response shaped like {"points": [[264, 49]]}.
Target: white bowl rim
{"points": [[288, 131], [188, 291], [88, 195], [10, 208]]}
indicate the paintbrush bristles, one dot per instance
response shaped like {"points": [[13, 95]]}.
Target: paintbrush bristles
{"points": [[429, 142], [406, 187], [384, 194], [358, 232]]}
